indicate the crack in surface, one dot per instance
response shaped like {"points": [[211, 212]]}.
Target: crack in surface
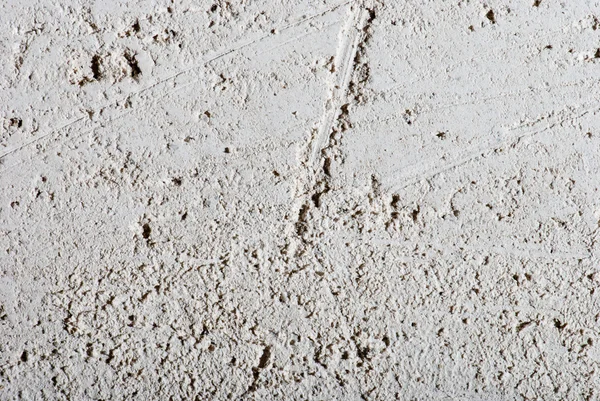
{"points": [[346, 89], [262, 364]]}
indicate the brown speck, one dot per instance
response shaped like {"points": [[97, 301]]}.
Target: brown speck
{"points": [[415, 213], [490, 16], [146, 231], [133, 64], [523, 325], [559, 325], [96, 67], [16, 122], [264, 359]]}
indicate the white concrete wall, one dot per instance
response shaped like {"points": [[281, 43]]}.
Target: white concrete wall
{"points": [[329, 200]]}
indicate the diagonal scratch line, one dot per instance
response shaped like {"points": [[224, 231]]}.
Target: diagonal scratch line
{"points": [[32, 141], [211, 58], [220, 54], [431, 108], [347, 48], [482, 151], [295, 39]]}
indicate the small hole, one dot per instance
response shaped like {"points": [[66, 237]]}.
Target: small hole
{"points": [[146, 231]]}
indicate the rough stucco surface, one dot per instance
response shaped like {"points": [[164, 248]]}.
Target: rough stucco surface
{"points": [[258, 200]]}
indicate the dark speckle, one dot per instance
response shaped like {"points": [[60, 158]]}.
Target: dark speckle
{"points": [[96, 67], [264, 359], [559, 325], [133, 64], [146, 231], [415, 213], [523, 325], [16, 122]]}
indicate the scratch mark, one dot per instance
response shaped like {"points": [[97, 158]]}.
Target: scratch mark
{"points": [[529, 91], [34, 140], [482, 151], [348, 45], [158, 84], [296, 38]]}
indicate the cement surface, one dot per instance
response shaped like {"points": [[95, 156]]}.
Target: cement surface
{"points": [[328, 200]]}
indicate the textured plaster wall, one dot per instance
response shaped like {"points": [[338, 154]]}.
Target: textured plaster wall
{"points": [[325, 200]]}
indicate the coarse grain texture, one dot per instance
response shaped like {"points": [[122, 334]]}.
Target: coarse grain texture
{"points": [[328, 200]]}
